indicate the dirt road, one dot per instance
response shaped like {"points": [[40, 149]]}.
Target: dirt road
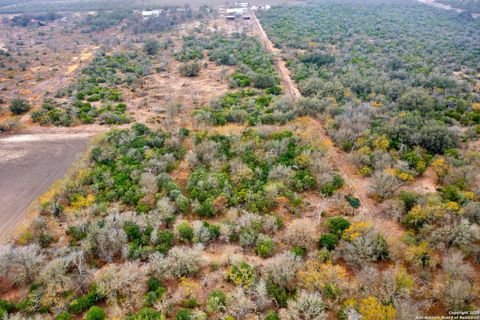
{"points": [[29, 164], [440, 5], [447, 7], [286, 80], [358, 186]]}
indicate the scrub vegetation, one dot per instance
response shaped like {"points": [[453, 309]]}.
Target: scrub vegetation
{"points": [[402, 101], [357, 200]]}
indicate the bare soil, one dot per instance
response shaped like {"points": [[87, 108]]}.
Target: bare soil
{"points": [[29, 164]]}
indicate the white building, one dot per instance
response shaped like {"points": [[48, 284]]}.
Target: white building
{"points": [[242, 4], [151, 13], [234, 11]]}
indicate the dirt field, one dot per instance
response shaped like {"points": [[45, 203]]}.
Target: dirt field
{"points": [[29, 164]]}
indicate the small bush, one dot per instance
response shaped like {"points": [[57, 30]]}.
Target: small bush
{"points": [[184, 314], [151, 47], [301, 233], [180, 261], [306, 306], [217, 301], [409, 199], [336, 225], [279, 294], [329, 188], [282, 269], [19, 106], [185, 231], [272, 315], [9, 125], [241, 274], [164, 241], [190, 69], [146, 314], [63, 316], [328, 241], [6, 306], [265, 246], [83, 303], [353, 201], [299, 251], [95, 313], [155, 291]]}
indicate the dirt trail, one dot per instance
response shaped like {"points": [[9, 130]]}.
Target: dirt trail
{"points": [[440, 5], [359, 186], [286, 79], [447, 7]]}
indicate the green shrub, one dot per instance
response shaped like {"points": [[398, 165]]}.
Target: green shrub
{"points": [[264, 246], [329, 188], [184, 314], [190, 303], [147, 314], [241, 274], [409, 199], [83, 303], [317, 59], [217, 301], [185, 231], [264, 80], [337, 225], [272, 315], [95, 313], [183, 203], [354, 202], [205, 187], [279, 294], [184, 132], [164, 241], [275, 90], [452, 193], [299, 251], [44, 240], [328, 241], [64, 316], [6, 306], [19, 106], [242, 80]]}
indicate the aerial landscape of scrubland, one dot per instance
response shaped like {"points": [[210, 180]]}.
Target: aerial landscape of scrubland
{"points": [[194, 160]]}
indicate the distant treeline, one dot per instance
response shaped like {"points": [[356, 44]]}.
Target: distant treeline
{"points": [[169, 17], [25, 20], [16, 6]]}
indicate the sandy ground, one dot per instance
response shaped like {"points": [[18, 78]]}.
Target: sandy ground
{"points": [[29, 164]]}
